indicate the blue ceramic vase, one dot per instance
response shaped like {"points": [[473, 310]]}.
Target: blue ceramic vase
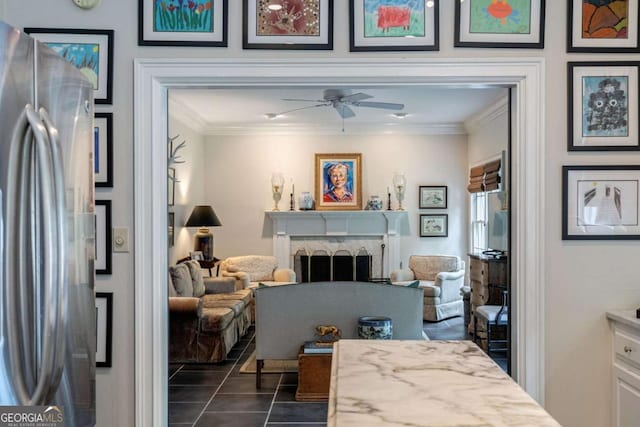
{"points": [[375, 328]]}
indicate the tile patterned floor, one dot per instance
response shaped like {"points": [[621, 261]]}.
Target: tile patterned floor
{"points": [[219, 395]]}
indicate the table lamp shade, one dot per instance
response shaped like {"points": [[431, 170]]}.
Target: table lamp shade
{"points": [[203, 216]]}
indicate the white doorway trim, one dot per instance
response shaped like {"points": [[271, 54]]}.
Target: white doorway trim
{"points": [[153, 78]]}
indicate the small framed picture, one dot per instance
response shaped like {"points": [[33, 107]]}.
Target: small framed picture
{"points": [[171, 186], [103, 237], [291, 24], [503, 24], [171, 222], [434, 225], [603, 106], [104, 328], [183, 23], [338, 181], [401, 25], [432, 197], [91, 51], [196, 255], [103, 149], [603, 26], [600, 202]]}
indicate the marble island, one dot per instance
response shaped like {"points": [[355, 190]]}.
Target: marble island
{"points": [[425, 383]]}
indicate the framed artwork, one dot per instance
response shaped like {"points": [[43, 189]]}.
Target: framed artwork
{"points": [[171, 187], [603, 26], [600, 202], [171, 222], [103, 237], [90, 51], [104, 328], [432, 197], [499, 23], [103, 149], [183, 23], [290, 24], [397, 25], [603, 106], [434, 225], [338, 181], [197, 255]]}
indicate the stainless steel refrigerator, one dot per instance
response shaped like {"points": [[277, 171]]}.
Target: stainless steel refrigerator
{"points": [[47, 230]]}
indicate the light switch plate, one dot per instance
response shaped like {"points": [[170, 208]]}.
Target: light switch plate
{"points": [[120, 239], [87, 4]]}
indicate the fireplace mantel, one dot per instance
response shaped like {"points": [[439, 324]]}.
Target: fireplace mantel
{"points": [[288, 224]]}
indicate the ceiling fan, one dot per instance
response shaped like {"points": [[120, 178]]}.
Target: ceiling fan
{"points": [[341, 100]]}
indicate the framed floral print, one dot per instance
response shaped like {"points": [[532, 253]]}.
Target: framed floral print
{"points": [[103, 149], [394, 25], [603, 106], [432, 197], [603, 26], [338, 181], [434, 225], [287, 24], [182, 23], [499, 23]]}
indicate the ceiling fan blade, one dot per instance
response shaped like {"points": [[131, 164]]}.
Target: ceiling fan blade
{"points": [[301, 108], [386, 105], [344, 111], [305, 100], [355, 97]]}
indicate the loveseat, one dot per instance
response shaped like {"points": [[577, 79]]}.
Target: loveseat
{"points": [[207, 316], [250, 270]]}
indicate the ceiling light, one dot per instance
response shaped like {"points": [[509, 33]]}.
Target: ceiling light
{"points": [[271, 116], [430, 3], [276, 6], [400, 115]]}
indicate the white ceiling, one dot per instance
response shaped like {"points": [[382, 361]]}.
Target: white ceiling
{"points": [[430, 109]]}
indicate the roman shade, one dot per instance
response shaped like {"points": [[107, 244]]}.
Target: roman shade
{"points": [[485, 177]]}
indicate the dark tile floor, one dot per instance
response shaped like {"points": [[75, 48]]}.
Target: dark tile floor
{"points": [[219, 395]]}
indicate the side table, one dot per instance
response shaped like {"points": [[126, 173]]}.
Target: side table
{"points": [[209, 264], [314, 376]]}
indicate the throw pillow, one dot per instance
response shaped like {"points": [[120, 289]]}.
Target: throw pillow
{"points": [[181, 279], [196, 278], [414, 284]]}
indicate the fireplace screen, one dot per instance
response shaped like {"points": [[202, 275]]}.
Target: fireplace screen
{"points": [[342, 265]]}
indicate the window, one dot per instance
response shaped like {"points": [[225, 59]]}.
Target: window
{"points": [[478, 222]]}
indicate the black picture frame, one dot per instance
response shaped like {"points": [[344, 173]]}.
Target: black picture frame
{"points": [[171, 230], [577, 43], [615, 211], [104, 329], [103, 246], [215, 38], [171, 186], [251, 40], [578, 74], [103, 149], [360, 42], [434, 225], [432, 197], [103, 94], [466, 38]]}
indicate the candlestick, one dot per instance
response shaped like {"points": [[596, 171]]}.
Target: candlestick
{"points": [[292, 205], [388, 200]]}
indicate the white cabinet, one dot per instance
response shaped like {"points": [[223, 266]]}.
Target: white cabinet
{"points": [[626, 368]]}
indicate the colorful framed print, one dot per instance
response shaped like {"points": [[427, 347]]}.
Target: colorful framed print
{"points": [[103, 237], [499, 23], [338, 181], [434, 225], [603, 26], [103, 149], [183, 23], [91, 51], [395, 25], [432, 197], [601, 202], [287, 24], [104, 328], [603, 106]]}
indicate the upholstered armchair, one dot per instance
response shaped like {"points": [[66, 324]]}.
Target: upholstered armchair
{"points": [[249, 270], [441, 277]]}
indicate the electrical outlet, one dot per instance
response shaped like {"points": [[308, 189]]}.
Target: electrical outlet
{"points": [[120, 239]]}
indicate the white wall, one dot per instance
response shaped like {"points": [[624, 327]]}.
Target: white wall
{"points": [[239, 170], [583, 279], [488, 133]]}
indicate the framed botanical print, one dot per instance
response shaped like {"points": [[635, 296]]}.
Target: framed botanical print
{"points": [[91, 51], [603, 106], [103, 149], [432, 197], [603, 26], [601, 202], [290, 24], [398, 25], [434, 225], [103, 237], [499, 23], [183, 23], [338, 181], [104, 328]]}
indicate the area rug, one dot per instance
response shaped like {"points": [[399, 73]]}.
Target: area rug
{"points": [[270, 366]]}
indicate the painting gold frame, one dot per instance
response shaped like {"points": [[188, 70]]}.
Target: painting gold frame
{"points": [[327, 195]]}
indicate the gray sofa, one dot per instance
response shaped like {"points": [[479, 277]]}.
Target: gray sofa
{"points": [[286, 316]]}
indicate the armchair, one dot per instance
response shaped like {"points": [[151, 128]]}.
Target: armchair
{"points": [[441, 277], [249, 270]]}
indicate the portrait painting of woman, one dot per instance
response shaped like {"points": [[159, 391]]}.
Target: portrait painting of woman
{"points": [[338, 181]]}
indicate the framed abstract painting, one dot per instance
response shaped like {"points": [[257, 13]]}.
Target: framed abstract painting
{"points": [[182, 23], [603, 106], [103, 149], [338, 181], [90, 51], [393, 25], [287, 24], [499, 23], [601, 26]]}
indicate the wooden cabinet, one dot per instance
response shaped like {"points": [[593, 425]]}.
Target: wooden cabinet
{"points": [[626, 368], [314, 374], [485, 271]]}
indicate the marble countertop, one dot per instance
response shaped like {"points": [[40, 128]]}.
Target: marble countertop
{"points": [[628, 317], [425, 383]]}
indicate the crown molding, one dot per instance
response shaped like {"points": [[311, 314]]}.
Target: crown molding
{"points": [[187, 115], [336, 129], [482, 118]]}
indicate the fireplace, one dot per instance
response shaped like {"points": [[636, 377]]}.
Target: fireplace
{"points": [[343, 265]]}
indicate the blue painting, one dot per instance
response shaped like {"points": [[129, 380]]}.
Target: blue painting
{"points": [[195, 16], [605, 106], [337, 184], [394, 18], [84, 56]]}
